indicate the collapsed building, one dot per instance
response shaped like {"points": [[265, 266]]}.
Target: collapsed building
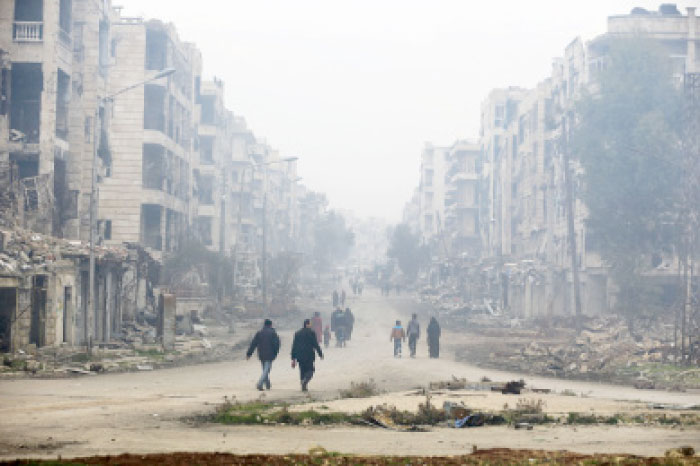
{"points": [[44, 290]]}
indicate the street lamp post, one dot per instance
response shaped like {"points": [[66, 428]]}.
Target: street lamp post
{"points": [[92, 307]]}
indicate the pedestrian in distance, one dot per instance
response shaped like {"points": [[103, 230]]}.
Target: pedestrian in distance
{"points": [[267, 343], [327, 336], [433, 338], [317, 325], [342, 297], [304, 349], [397, 335], [338, 326], [335, 298], [349, 323], [413, 331]]}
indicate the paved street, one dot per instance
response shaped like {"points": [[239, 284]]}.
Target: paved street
{"points": [[141, 412]]}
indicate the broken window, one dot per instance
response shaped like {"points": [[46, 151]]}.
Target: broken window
{"points": [[206, 190], [62, 102], [154, 107], [104, 46], [156, 50], [64, 20], [152, 168], [208, 109], [25, 105], [206, 150], [29, 10], [150, 226], [204, 228]]}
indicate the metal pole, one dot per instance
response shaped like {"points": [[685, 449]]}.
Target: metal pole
{"points": [[264, 251], [91, 310]]}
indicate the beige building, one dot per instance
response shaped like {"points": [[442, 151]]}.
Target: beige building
{"points": [[523, 177], [148, 194]]}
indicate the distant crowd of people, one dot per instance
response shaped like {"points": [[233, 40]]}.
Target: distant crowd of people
{"points": [[307, 341]]}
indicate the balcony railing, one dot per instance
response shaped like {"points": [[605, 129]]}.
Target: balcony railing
{"points": [[28, 31]]}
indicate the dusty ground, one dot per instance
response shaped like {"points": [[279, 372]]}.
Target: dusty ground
{"points": [[141, 412]]}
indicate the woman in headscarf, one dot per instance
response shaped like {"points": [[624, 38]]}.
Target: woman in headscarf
{"points": [[434, 338]]}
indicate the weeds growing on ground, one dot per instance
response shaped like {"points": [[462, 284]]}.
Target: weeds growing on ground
{"points": [[360, 390]]}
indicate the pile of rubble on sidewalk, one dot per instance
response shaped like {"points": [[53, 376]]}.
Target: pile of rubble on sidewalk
{"points": [[24, 251], [138, 349], [604, 350]]}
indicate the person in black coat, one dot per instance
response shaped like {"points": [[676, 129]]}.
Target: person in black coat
{"points": [[434, 338], [349, 323], [304, 349], [268, 345]]}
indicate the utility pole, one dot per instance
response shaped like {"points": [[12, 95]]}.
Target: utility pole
{"points": [[690, 216], [568, 180], [263, 267]]}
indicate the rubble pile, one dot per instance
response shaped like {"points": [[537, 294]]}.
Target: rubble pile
{"points": [[26, 252], [604, 348]]}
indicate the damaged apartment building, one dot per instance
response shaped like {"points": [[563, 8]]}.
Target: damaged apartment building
{"points": [[524, 249], [108, 131], [54, 60]]}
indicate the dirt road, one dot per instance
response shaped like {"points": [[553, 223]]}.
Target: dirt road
{"points": [[141, 412]]}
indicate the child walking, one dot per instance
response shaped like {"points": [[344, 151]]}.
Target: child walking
{"points": [[397, 334]]}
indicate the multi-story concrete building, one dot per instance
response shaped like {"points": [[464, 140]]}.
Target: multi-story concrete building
{"points": [[433, 168], [462, 201], [524, 169], [43, 59], [148, 195]]}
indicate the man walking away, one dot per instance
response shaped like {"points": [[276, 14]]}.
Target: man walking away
{"points": [[349, 323], [338, 327], [317, 325], [413, 331], [342, 297], [434, 338], [268, 345], [327, 336], [304, 349], [335, 298], [397, 334]]}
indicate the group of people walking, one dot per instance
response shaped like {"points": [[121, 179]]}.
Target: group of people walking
{"points": [[412, 331], [305, 346], [307, 342]]}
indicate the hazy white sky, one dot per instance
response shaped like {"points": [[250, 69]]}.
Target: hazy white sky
{"points": [[355, 88]]}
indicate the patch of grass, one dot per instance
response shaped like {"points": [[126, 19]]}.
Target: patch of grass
{"points": [[262, 412], [360, 390], [580, 418]]}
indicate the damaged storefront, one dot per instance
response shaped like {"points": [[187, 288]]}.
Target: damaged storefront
{"points": [[44, 291]]}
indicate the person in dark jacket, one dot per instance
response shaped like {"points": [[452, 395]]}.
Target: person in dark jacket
{"points": [[304, 349], [413, 331], [338, 326], [268, 345], [434, 338], [349, 323]]}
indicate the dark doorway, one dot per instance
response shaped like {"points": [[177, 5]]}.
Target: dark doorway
{"points": [[8, 306], [37, 331], [67, 312]]}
